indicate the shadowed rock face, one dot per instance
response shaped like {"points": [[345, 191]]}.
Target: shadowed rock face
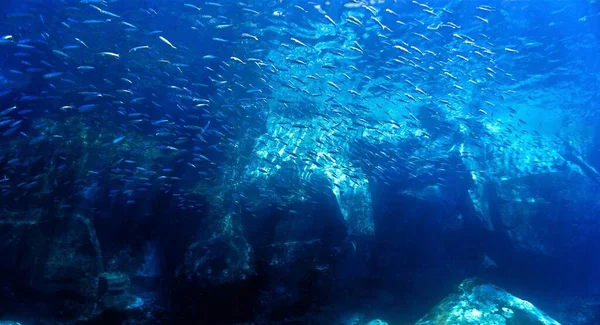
{"points": [[476, 302], [287, 242], [51, 265], [293, 228], [219, 260], [56, 262]]}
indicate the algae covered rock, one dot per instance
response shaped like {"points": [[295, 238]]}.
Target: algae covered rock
{"points": [[476, 302], [219, 260], [377, 322]]}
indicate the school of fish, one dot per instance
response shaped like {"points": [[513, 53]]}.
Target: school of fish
{"points": [[231, 94]]}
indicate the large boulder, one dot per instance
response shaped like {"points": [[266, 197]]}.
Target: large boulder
{"points": [[219, 260], [377, 322], [476, 302]]}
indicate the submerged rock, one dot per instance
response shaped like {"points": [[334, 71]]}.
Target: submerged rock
{"points": [[53, 260], [113, 290], [480, 303], [219, 260]]}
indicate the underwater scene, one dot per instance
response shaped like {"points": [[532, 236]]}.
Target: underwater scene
{"points": [[339, 162]]}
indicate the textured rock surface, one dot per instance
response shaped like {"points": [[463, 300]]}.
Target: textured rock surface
{"points": [[543, 215], [480, 303], [57, 256], [113, 290], [376, 322], [219, 260], [56, 264]]}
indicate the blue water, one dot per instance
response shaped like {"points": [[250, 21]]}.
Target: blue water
{"points": [[296, 162]]}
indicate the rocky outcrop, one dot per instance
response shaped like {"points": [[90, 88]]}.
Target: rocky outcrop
{"points": [[113, 292], [477, 302]]}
